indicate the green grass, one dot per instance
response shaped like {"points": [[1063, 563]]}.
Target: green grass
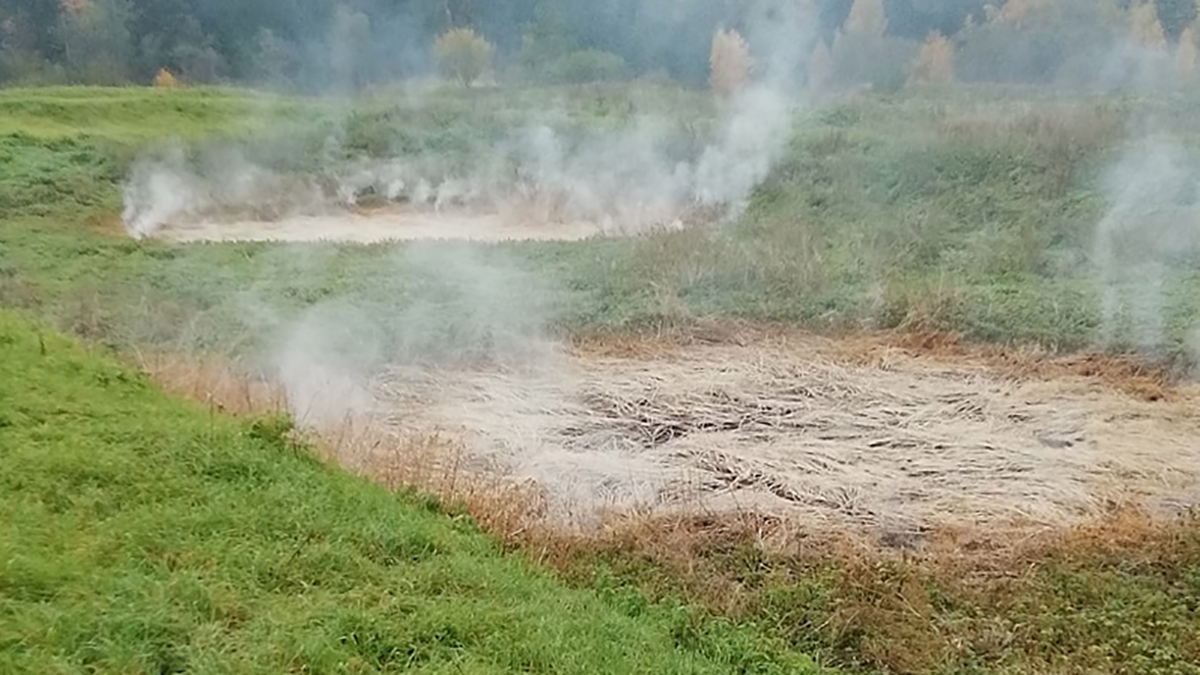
{"points": [[138, 114], [955, 214], [144, 534]]}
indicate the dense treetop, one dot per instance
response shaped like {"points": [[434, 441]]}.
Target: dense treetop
{"points": [[317, 44]]}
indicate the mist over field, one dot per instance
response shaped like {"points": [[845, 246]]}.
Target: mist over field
{"points": [[760, 336]]}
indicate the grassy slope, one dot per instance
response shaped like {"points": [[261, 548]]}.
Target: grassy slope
{"points": [[142, 534], [917, 211]]}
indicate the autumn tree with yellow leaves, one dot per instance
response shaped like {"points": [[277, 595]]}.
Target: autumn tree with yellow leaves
{"points": [[730, 63]]}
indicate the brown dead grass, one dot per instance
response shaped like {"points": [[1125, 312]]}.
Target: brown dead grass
{"points": [[430, 465], [1125, 373], [214, 381], [883, 605]]}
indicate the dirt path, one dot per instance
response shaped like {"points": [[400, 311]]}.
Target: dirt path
{"points": [[808, 427], [380, 225]]}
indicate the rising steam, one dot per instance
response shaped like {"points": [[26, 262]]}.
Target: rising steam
{"points": [[625, 179], [1151, 228]]}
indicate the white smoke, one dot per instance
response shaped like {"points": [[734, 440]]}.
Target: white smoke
{"points": [[621, 178], [1152, 224]]}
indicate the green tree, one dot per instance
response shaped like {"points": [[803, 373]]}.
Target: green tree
{"points": [[272, 59], [97, 43], [350, 37]]}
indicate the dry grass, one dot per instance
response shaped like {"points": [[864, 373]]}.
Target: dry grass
{"points": [[214, 381], [966, 597], [1062, 133]]}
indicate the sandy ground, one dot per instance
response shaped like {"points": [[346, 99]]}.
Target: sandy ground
{"points": [[392, 225], [794, 426]]}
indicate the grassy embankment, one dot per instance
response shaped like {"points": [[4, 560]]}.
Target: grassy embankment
{"points": [[940, 213], [144, 534], [924, 212]]}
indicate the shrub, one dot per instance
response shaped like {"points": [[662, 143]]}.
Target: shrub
{"points": [[462, 55], [165, 80], [729, 62]]}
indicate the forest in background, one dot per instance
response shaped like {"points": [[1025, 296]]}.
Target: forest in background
{"points": [[324, 45]]}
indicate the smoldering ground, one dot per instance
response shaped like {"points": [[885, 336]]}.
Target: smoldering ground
{"points": [[468, 337]]}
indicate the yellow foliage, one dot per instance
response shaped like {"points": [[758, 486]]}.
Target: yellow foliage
{"points": [[730, 62], [1144, 27], [163, 79], [866, 18], [1186, 53], [462, 55], [935, 62]]}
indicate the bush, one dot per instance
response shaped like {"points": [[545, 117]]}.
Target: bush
{"points": [[165, 80], [462, 55]]}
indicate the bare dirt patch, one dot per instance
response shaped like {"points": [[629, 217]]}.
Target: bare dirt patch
{"points": [[379, 226], [810, 428]]}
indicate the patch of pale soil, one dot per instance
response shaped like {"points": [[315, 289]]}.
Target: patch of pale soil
{"points": [[391, 225], [795, 427]]}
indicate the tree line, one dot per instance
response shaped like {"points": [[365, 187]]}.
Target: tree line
{"points": [[323, 44]]}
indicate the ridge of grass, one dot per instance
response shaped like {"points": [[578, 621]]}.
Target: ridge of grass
{"points": [[144, 534]]}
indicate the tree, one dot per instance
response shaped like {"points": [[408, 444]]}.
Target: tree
{"points": [[1144, 28], [349, 37], [462, 55], [272, 58], [547, 38], [1186, 53], [1175, 16], [935, 62], [866, 18], [729, 62], [97, 44], [195, 55]]}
